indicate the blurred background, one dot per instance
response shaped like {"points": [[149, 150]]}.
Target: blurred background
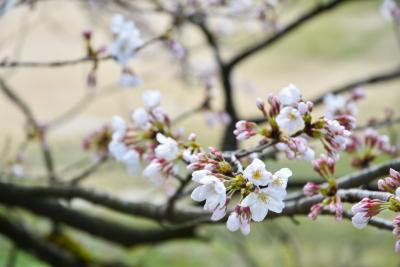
{"points": [[346, 44]]}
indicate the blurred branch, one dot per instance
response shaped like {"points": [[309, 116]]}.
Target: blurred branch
{"points": [[294, 206], [96, 226], [370, 80], [88, 171], [378, 124], [37, 246], [361, 177], [68, 62], [268, 41], [23, 106], [49, 64]]}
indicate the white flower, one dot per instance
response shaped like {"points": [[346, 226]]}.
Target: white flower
{"points": [[388, 9], [236, 222], [333, 104], [289, 120], [151, 98], [289, 95], [132, 161], [127, 40], [119, 127], [129, 80], [118, 23], [262, 201], [211, 189], [117, 149], [279, 181], [257, 174], [124, 48], [153, 171], [141, 118], [167, 149]]}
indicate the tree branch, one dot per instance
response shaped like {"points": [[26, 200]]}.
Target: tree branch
{"points": [[268, 41], [14, 98], [37, 246]]}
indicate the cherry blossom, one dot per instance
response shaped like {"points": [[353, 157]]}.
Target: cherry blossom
{"points": [[262, 201], [167, 149], [257, 174], [141, 118], [126, 41], [289, 96], [151, 98], [290, 121], [211, 189]]}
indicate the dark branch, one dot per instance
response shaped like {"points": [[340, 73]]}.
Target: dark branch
{"points": [[268, 41], [37, 246], [381, 77]]}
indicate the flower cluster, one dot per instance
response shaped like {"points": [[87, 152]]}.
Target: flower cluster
{"points": [[338, 105], [367, 146], [149, 138], [368, 208], [260, 190], [325, 166], [124, 47], [290, 125]]}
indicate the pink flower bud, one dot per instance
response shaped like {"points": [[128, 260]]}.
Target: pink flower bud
{"points": [[275, 105], [315, 211], [260, 104], [87, 34], [357, 94], [311, 189]]}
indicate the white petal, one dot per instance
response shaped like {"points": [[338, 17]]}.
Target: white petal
{"points": [[249, 200], [258, 211], [245, 228], [275, 205], [117, 149], [233, 223], [198, 194], [218, 214], [359, 220]]}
